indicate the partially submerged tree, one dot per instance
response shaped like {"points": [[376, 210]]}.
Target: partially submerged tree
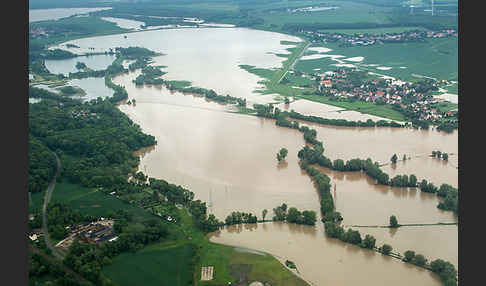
{"points": [[393, 221], [282, 154]]}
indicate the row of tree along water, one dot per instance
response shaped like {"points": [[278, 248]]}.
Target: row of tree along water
{"points": [[281, 213], [321, 180], [314, 155], [309, 156]]}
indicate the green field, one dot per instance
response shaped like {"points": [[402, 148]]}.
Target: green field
{"points": [[348, 12], [272, 77], [179, 83], [438, 59], [446, 106], [36, 201], [361, 106], [74, 28], [153, 265], [263, 269], [93, 202]]}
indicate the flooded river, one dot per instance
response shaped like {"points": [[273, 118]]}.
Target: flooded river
{"points": [[229, 161], [36, 15], [212, 66], [322, 260]]}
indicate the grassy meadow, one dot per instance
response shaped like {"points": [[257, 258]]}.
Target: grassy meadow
{"points": [[438, 58], [361, 106], [94, 202], [153, 265]]}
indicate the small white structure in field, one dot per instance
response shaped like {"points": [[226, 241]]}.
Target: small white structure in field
{"points": [[207, 273]]}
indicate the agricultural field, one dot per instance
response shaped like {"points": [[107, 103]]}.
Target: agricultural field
{"points": [[262, 268], [36, 200], [153, 265], [70, 28], [348, 12], [93, 202], [438, 58], [361, 106]]}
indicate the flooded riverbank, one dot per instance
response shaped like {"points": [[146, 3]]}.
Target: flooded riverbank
{"points": [[214, 66], [322, 260], [308, 107]]}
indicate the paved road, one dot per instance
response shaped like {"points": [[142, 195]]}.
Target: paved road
{"points": [[296, 60], [47, 198]]}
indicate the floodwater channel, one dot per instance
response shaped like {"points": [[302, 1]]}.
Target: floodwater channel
{"points": [[229, 160]]}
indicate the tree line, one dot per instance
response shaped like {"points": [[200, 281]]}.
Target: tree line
{"points": [[314, 155], [42, 165], [445, 270], [293, 215], [269, 111]]}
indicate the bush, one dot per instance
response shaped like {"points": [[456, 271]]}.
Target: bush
{"points": [[419, 260], [408, 256], [386, 249]]}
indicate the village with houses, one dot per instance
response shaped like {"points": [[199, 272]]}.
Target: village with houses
{"points": [[415, 98], [367, 39]]}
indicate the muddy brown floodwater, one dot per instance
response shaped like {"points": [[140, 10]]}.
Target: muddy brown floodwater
{"points": [[322, 260], [307, 107], [229, 160]]}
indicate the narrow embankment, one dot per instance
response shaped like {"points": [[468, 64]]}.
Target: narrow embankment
{"points": [[292, 60], [411, 224]]}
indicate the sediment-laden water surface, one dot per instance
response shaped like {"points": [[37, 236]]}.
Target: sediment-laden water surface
{"points": [[213, 64], [434, 241], [322, 260], [125, 23], [36, 15], [229, 160], [93, 86], [362, 202], [65, 66]]}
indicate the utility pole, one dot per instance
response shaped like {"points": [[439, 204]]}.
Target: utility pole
{"points": [[432, 8]]}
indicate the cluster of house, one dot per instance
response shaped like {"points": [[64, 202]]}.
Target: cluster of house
{"points": [[365, 39], [92, 232], [37, 32], [386, 91], [83, 114]]}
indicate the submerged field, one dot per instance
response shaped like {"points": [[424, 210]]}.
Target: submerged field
{"points": [[438, 58]]}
